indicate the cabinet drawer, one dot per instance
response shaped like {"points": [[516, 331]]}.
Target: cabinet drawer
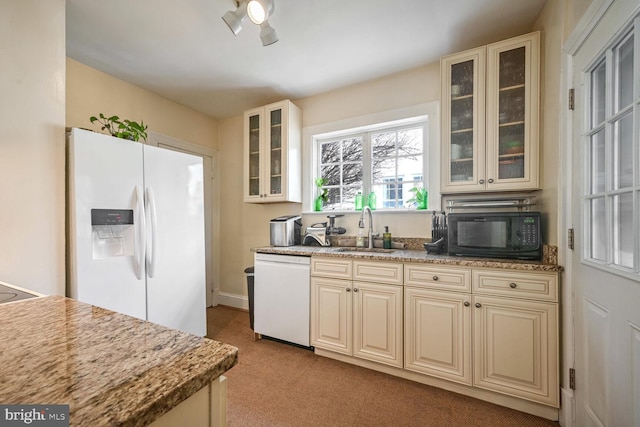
{"points": [[380, 272], [331, 267], [446, 278], [516, 284]]}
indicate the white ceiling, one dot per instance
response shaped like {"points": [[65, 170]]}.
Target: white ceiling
{"points": [[183, 50]]}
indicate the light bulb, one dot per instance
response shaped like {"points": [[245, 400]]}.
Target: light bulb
{"points": [[256, 12]]}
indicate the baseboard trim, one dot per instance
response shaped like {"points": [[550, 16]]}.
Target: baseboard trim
{"points": [[233, 300], [533, 408]]}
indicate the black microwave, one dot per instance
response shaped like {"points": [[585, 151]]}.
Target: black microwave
{"points": [[514, 235]]}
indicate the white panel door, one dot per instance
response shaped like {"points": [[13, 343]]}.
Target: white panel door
{"points": [[175, 240], [104, 173], [605, 209]]}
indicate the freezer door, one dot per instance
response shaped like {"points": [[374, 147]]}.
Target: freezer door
{"points": [[104, 173], [175, 240]]}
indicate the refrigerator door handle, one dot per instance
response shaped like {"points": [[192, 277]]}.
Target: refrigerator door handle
{"points": [[152, 259], [141, 234]]}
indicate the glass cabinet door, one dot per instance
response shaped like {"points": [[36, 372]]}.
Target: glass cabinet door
{"points": [[512, 113], [275, 151], [463, 120], [254, 155]]}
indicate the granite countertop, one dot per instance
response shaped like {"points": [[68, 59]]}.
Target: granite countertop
{"points": [[111, 369], [412, 255]]}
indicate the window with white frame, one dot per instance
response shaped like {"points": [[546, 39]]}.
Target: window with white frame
{"points": [[386, 161], [612, 199]]}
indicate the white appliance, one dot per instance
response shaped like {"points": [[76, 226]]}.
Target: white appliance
{"points": [[137, 230], [282, 297]]}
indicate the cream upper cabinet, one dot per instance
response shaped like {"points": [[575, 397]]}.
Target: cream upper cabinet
{"points": [[490, 102], [272, 153]]}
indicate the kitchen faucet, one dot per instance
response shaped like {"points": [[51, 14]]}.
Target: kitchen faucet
{"points": [[370, 234]]}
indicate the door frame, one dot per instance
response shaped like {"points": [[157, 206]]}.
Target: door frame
{"points": [[572, 45], [213, 220]]}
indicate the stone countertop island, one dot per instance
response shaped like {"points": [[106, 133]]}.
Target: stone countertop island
{"points": [[111, 369]]}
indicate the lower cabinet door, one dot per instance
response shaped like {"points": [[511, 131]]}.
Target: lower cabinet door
{"points": [[438, 334], [331, 313], [516, 348], [377, 323]]}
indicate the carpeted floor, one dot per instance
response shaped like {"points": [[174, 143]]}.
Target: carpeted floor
{"points": [[275, 384]]}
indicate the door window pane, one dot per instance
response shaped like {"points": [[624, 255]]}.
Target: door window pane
{"points": [[623, 230], [598, 229], [598, 94], [623, 154], [624, 74], [597, 163]]}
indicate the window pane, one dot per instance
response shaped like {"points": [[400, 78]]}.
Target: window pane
{"points": [[408, 167], [624, 58], [330, 152], [598, 229], [352, 150], [623, 154], [383, 168], [598, 94], [383, 145], [352, 174], [331, 174], [410, 142], [623, 230], [597, 163]]}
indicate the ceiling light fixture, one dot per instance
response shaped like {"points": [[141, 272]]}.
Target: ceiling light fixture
{"points": [[258, 12]]}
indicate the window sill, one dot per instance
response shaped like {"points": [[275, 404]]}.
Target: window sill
{"points": [[377, 211]]}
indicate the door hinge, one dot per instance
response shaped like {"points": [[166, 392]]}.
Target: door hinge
{"points": [[572, 379], [572, 99], [570, 238]]}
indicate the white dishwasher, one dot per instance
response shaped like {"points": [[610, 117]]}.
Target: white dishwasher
{"points": [[282, 297]]}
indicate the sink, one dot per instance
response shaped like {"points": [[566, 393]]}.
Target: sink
{"points": [[369, 250]]}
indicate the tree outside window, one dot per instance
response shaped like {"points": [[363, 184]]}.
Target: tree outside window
{"points": [[376, 161]]}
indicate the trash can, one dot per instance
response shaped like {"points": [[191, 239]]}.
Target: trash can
{"points": [[249, 272]]}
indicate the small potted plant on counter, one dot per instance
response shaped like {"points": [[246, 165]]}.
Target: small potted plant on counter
{"points": [[420, 198], [323, 195]]}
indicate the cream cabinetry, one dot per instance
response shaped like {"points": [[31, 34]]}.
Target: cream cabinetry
{"points": [[356, 317], [515, 334], [438, 321], [273, 154], [490, 106], [491, 329], [488, 333]]}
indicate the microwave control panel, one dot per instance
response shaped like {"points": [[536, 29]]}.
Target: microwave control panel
{"points": [[529, 231]]}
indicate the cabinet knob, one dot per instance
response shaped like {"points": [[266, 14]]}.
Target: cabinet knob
{"points": [[481, 181], [467, 303], [435, 278], [355, 289], [512, 285], [490, 180], [348, 289], [478, 305]]}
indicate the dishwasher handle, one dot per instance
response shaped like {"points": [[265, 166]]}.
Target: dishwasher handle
{"points": [[285, 259]]}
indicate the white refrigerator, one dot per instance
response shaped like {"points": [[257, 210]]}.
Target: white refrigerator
{"points": [[136, 230]]}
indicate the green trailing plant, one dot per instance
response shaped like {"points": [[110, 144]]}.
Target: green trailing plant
{"points": [[323, 192], [125, 129], [420, 197]]}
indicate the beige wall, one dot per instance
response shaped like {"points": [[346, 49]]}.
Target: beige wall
{"points": [[90, 92], [32, 84]]}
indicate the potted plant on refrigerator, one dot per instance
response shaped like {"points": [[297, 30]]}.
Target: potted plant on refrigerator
{"points": [[125, 129]]}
